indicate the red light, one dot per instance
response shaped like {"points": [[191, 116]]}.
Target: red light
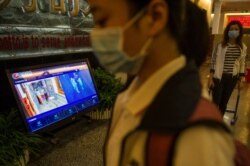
{"points": [[15, 76], [245, 20]]}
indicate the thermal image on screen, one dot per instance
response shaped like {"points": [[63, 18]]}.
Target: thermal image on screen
{"points": [[50, 94]]}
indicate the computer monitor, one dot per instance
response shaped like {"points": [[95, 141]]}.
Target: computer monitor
{"points": [[51, 93]]}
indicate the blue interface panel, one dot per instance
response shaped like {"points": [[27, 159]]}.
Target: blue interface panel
{"points": [[50, 94]]}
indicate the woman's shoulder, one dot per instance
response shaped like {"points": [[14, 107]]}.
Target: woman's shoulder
{"points": [[206, 133], [219, 45], [210, 144]]}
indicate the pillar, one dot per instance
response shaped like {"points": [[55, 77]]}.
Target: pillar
{"points": [[217, 16]]}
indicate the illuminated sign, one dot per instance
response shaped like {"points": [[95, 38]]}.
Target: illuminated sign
{"points": [[244, 19], [71, 7], [56, 7], [21, 42]]}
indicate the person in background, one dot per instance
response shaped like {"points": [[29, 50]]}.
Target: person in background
{"points": [[228, 65], [161, 43]]}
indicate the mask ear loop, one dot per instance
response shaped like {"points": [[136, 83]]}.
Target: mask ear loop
{"points": [[135, 18], [148, 42], [144, 49]]}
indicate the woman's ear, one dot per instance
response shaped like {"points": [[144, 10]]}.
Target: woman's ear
{"points": [[157, 17]]}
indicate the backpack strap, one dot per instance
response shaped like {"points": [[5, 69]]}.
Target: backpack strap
{"points": [[206, 110]]}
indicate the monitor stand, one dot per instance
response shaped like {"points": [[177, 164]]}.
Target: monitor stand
{"points": [[50, 137], [87, 117]]}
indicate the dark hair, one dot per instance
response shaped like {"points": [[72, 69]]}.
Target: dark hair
{"points": [[195, 41], [187, 24], [226, 37]]}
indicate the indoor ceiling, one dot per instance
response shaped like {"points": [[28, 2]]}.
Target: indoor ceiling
{"points": [[235, 6]]}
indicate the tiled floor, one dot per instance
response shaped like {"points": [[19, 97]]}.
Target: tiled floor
{"points": [[241, 128]]}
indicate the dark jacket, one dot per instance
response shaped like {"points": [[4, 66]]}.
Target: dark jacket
{"points": [[164, 118]]}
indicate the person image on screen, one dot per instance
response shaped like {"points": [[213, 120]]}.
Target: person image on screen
{"points": [[228, 65], [74, 84], [78, 80], [162, 43], [52, 92]]}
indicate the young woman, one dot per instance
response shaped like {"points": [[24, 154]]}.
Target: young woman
{"points": [[228, 65], [161, 42]]}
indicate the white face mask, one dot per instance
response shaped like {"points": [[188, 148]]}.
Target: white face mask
{"points": [[108, 45], [233, 34]]}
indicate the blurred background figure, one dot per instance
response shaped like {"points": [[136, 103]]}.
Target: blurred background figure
{"points": [[228, 65]]}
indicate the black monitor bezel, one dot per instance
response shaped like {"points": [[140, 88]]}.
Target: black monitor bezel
{"points": [[64, 121]]}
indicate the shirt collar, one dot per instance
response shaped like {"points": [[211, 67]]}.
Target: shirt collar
{"points": [[147, 92]]}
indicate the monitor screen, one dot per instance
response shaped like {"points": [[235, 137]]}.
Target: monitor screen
{"points": [[47, 95]]}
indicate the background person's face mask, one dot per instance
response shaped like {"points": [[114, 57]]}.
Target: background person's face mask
{"points": [[233, 34], [108, 45]]}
